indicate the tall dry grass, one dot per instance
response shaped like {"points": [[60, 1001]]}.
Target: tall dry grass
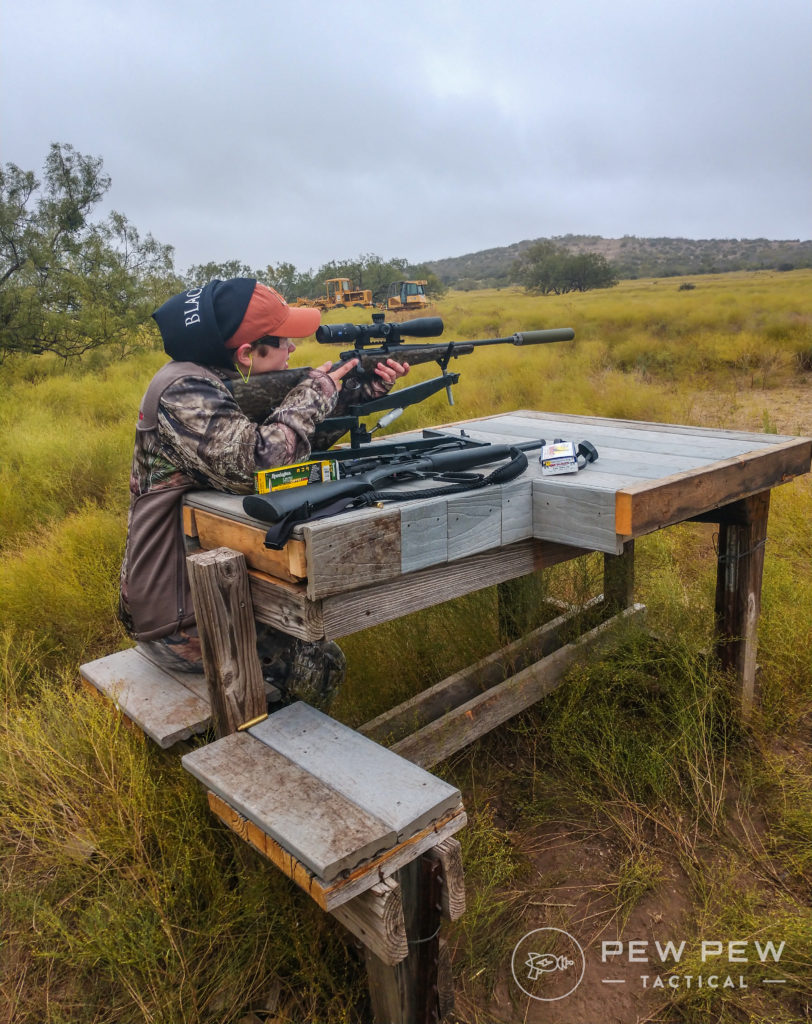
{"points": [[121, 900]]}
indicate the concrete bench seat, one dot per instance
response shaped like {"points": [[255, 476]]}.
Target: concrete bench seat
{"points": [[332, 809], [166, 706]]}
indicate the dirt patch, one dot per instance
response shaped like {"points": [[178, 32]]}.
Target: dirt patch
{"points": [[780, 410], [572, 887]]}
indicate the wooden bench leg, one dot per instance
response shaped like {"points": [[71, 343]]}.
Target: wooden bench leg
{"points": [[409, 992], [740, 563], [618, 580], [517, 607], [224, 612]]}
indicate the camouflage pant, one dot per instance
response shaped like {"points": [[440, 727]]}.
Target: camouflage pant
{"points": [[311, 671], [302, 670]]}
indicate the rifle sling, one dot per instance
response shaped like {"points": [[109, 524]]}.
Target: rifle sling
{"points": [[279, 533]]}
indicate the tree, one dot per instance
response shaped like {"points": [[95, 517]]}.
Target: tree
{"points": [[546, 267], [202, 273], [365, 271], [67, 284]]}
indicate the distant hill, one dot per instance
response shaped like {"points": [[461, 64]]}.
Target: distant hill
{"points": [[633, 257]]}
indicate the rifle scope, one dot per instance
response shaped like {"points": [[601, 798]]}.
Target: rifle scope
{"points": [[363, 334]]}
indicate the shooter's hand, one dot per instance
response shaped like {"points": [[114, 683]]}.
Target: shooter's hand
{"points": [[391, 370], [340, 371]]}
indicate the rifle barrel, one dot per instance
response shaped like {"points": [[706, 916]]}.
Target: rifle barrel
{"points": [[529, 337]]}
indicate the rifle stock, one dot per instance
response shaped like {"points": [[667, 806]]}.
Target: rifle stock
{"points": [[264, 392], [275, 506]]}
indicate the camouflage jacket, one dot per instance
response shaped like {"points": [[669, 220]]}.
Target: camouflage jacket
{"points": [[192, 435]]}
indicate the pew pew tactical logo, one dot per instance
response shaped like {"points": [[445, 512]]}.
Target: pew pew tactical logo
{"points": [[548, 964]]}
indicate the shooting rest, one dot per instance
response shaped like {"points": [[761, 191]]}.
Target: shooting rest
{"points": [[340, 575]]}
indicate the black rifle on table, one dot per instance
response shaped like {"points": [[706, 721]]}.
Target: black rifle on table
{"points": [[264, 392], [449, 463]]}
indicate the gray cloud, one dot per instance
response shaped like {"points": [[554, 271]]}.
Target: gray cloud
{"points": [[314, 131]]}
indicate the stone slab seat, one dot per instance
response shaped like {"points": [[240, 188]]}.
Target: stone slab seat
{"points": [[336, 802], [167, 707]]}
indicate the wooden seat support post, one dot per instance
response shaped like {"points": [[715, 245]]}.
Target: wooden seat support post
{"points": [[228, 637], [740, 563], [419, 989]]}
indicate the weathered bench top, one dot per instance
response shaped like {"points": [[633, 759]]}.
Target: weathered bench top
{"points": [[167, 707], [648, 475]]}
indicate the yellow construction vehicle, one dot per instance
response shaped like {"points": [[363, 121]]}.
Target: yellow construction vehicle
{"points": [[340, 293], [405, 295]]}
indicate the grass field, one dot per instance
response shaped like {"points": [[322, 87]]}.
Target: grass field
{"points": [[631, 804]]}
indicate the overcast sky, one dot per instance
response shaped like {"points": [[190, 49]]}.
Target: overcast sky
{"points": [[306, 131]]}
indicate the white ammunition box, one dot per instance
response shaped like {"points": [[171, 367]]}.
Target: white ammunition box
{"points": [[560, 457]]}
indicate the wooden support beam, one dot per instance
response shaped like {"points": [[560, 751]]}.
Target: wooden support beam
{"points": [[466, 723], [452, 895], [213, 531], [734, 514], [375, 918], [426, 588], [740, 563], [329, 895], [469, 682], [219, 583], [445, 980], [517, 601], [653, 504], [618, 579]]}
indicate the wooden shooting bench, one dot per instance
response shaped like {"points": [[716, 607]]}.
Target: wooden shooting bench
{"points": [[353, 816]]}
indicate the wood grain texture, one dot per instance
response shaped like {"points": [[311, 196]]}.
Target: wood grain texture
{"points": [[738, 593], [623, 436], [574, 422], [341, 559], [314, 823], [618, 579], [228, 638], [650, 506], [449, 854], [517, 511], [423, 534], [474, 522], [375, 918], [329, 895], [286, 606], [582, 515], [456, 689], [347, 613], [407, 993], [215, 531]]}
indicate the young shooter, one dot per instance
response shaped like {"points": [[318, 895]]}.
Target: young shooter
{"points": [[192, 435]]}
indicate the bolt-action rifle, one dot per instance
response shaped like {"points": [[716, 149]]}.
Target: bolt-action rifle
{"points": [[265, 391]]}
